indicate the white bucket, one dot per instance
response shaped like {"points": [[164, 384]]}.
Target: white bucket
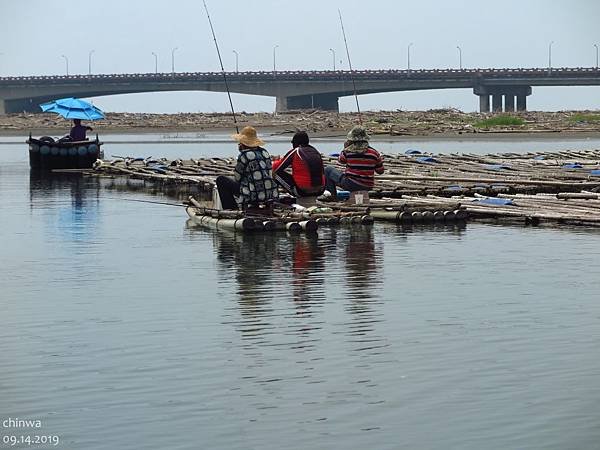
{"points": [[216, 199]]}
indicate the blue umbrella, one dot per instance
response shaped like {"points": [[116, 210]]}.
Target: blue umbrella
{"points": [[73, 108]]}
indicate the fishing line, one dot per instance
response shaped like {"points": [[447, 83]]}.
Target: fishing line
{"points": [[222, 68], [350, 65]]}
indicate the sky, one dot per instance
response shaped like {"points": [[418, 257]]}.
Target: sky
{"points": [[34, 34]]}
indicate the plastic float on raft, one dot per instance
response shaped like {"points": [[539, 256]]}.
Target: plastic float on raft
{"points": [[595, 172], [411, 151], [572, 166]]}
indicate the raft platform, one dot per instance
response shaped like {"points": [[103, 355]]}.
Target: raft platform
{"points": [[530, 189]]}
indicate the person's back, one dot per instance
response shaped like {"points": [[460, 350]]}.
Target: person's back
{"points": [[307, 176], [78, 132], [253, 172], [361, 161], [253, 182], [361, 166]]}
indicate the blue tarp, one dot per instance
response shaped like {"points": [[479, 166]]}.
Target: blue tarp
{"points": [[427, 160], [495, 201], [496, 166]]}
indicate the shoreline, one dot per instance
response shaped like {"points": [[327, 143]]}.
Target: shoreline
{"points": [[444, 124], [204, 135]]}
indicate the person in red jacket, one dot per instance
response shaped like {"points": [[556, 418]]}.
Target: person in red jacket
{"points": [[307, 177]]}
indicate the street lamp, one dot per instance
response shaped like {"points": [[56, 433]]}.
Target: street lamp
{"points": [[236, 61], [550, 57], [67, 63], [333, 53], [408, 56], [90, 61], [173, 60], [155, 62], [274, 48], [459, 57], [595, 45]]}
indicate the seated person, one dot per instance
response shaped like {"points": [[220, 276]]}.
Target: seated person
{"points": [[306, 178], [253, 180], [361, 161], [78, 131]]}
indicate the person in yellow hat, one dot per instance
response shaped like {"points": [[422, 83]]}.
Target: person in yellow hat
{"points": [[253, 178]]}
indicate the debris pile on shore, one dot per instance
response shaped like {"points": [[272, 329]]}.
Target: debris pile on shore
{"points": [[395, 123]]}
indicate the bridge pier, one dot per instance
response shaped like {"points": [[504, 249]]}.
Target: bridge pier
{"points": [[326, 102], [497, 102], [497, 92], [484, 103], [21, 105], [509, 102]]}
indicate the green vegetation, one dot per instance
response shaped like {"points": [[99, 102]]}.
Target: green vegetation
{"points": [[499, 121], [586, 118]]}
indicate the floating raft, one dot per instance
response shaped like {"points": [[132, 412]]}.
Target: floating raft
{"points": [[278, 219], [413, 174], [46, 154], [530, 188]]}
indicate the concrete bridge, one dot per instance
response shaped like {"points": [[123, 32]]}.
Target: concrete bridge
{"points": [[300, 89]]}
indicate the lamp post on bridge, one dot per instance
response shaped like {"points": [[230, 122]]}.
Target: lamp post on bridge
{"points": [[459, 57], [173, 60], [236, 61], [66, 62], [274, 48], [90, 61], [595, 45], [408, 56], [333, 53], [155, 62], [550, 57]]}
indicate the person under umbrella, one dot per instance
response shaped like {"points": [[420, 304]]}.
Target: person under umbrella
{"points": [[78, 132]]}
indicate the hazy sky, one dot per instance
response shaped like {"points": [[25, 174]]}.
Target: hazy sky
{"points": [[123, 34]]}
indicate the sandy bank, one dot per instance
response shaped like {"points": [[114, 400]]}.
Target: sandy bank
{"points": [[442, 124]]}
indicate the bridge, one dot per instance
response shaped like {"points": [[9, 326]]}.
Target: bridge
{"points": [[300, 89]]}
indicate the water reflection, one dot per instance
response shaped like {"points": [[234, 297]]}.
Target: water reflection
{"points": [[71, 201], [308, 266]]}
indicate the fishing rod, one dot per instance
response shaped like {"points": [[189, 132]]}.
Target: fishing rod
{"points": [[350, 65], [222, 68], [147, 201]]}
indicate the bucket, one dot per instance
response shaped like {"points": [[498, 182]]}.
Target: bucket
{"points": [[216, 199]]}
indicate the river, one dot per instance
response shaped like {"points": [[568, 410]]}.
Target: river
{"points": [[122, 327]]}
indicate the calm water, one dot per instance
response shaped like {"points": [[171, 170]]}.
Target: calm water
{"points": [[121, 327]]}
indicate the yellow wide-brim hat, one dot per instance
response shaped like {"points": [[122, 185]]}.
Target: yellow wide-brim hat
{"points": [[248, 137]]}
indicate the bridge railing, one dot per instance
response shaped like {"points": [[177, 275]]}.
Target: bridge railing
{"points": [[295, 75]]}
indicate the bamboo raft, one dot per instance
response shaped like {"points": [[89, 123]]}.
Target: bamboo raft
{"points": [[278, 219], [530, 188]]}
